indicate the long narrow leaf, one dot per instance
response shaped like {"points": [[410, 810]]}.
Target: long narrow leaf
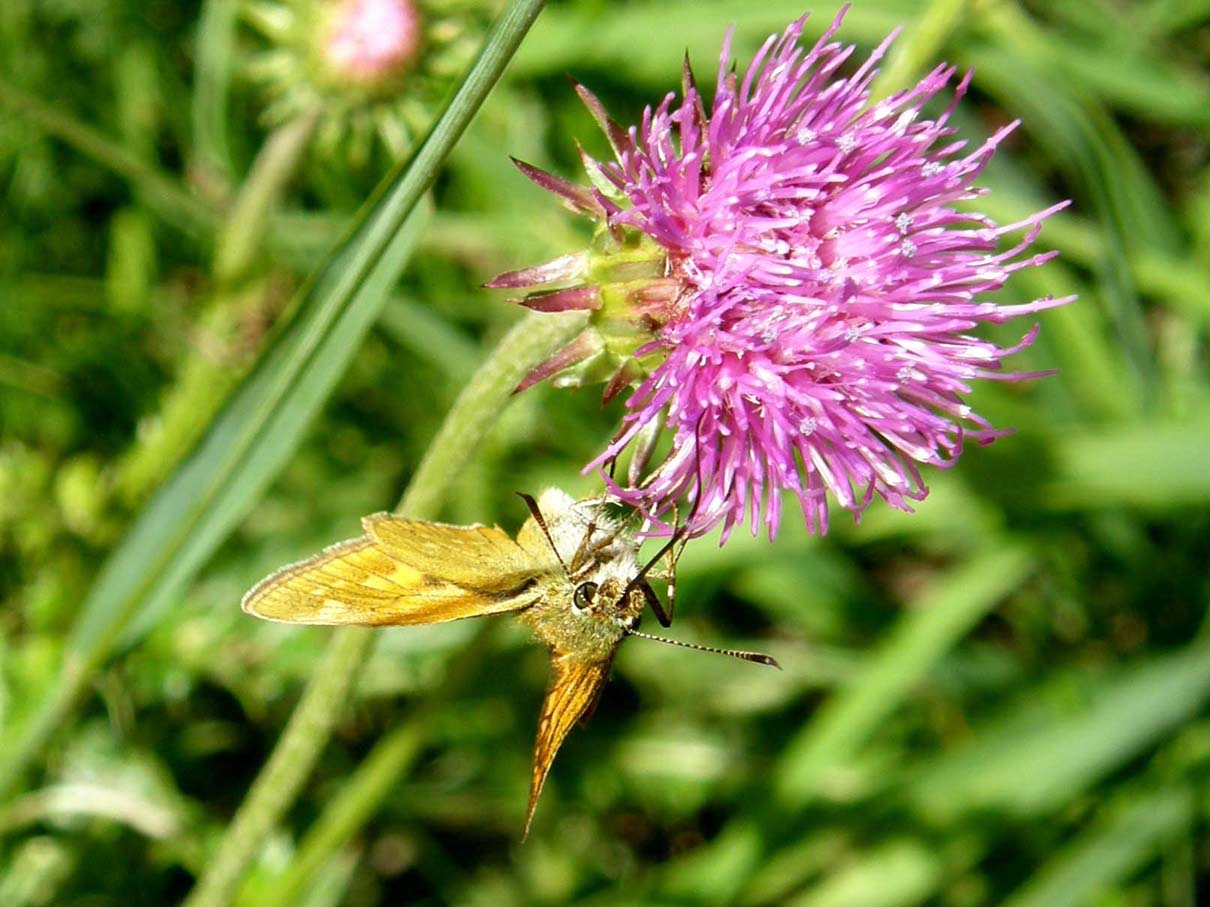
{"points": [[1064, 737]]}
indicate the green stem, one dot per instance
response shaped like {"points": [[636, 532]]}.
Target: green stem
{"points": [[244, 231], [214, 52], [477, 408], [359, 798], [161, 193], [287, 768], [527, 344]]}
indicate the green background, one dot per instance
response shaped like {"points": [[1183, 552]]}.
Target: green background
{"points": [[999, 699]]}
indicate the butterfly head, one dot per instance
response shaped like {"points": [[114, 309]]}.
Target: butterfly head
{"points": [[589, 601], [610, 601]]}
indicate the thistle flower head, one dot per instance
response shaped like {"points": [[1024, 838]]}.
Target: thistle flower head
{"points": [[801, 322], [375, 69]]}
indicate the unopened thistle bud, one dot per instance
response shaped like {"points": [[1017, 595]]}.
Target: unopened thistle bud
{"points": [[369, 42], [373, 68]]}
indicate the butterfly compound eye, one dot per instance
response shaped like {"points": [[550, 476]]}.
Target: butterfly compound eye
{"points": [[583, 596]]}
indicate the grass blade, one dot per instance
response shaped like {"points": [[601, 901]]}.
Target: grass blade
{"points": [[212, 76], [291, 761]]}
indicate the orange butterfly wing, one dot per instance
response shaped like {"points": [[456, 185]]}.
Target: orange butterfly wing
{"points": [[573, 693], [402, 572]]}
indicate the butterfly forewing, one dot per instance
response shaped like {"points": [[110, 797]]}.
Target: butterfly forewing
{"points": [[479, 557], [401, 572]]}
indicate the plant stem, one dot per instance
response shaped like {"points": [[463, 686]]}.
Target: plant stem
{"points": [[287, 768], [207, 376], [529, 341], [189, 406], [214, 50], [377, 776], [527, 344], [240, 240]]}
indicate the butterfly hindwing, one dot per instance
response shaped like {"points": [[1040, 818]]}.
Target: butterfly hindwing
{"points": [[401, 572], [574, 690]]}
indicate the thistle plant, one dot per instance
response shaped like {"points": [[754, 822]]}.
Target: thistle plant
{"points": [[785, 278]]}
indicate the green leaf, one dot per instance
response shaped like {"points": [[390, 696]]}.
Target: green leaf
{"points": [[895, 874], [1158, 465], [215, 48]]}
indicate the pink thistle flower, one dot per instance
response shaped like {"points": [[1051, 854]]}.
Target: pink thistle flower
{"points": [[787, 283]]}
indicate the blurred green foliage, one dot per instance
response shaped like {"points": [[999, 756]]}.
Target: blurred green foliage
{"points": [[999, 699]]}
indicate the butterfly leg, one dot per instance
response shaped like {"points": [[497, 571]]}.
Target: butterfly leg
{"points": [[668, 575], [671, 553]]}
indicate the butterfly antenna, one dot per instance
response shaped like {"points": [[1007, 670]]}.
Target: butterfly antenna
{"points": [[536, 513], [758, 657]]}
